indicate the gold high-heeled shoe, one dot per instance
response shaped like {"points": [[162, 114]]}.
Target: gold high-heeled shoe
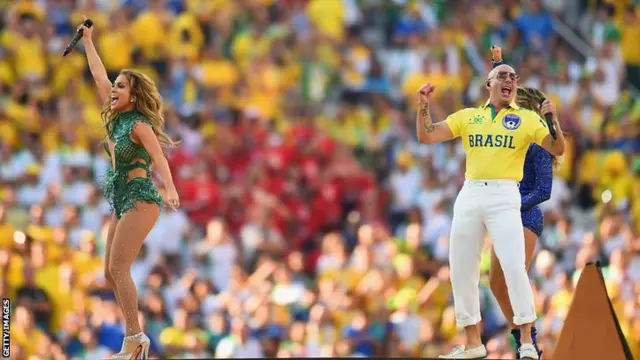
{"points": [[134, 346]]}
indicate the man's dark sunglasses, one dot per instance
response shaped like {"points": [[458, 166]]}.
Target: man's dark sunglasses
{"points": [[502, 76]]}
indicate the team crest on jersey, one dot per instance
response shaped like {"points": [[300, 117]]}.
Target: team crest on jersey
{"points": [[511, 121], [476, 120]]}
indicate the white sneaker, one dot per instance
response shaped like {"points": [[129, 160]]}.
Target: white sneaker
{"points": [[528, 351], [459, 352]]}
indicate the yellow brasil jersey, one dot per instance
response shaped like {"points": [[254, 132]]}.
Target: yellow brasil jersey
{"points": [[496, 144]]}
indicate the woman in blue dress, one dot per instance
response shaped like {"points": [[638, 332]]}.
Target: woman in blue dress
{"points": [[535, 188]]}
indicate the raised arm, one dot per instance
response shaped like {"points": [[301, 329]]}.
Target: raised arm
{"points": [[554, 146], [98, 70], [496, 56], [543, 168], [428, 132]]}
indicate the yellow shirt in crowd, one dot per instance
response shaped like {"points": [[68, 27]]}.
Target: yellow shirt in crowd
{"points": [[328, 16], [629, 38], [442, 81], [149, 31], [115, 49]]}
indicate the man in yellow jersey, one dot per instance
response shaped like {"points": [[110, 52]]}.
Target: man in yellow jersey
{"points": [[496, 137]]}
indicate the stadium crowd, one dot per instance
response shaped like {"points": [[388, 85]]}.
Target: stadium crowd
{"points": [[313, 223]]}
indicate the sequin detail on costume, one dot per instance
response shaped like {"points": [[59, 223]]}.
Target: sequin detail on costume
{"points": [[535, 187], [120, 192], [533, 220]]}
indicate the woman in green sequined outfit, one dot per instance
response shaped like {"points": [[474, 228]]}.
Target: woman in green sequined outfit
{"points": [[134, 121]]}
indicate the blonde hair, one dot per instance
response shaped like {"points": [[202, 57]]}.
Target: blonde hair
{"points": [[148, 102], [530, 98]]}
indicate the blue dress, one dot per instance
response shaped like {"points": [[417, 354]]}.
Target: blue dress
{"points": [[535, 187]]}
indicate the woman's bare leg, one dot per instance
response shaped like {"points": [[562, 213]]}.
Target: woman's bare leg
{"points": [[132, 229], [110, 234], [496, 276]]}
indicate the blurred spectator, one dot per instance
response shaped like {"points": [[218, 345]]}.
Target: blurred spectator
{"points": [[92, 350], [630, 29], [535, 26], [239, 344], [35, 299]]}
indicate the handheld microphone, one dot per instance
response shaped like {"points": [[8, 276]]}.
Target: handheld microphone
{"points": [[549, 120], [88, 23]]}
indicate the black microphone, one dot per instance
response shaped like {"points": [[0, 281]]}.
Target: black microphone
{"points": [[88, 23], [549, 120]]}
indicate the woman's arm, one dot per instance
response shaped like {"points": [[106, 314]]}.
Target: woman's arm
{"points": [[543, 167], [496, 56], [143, 133], [554, 146], [98, 70]]}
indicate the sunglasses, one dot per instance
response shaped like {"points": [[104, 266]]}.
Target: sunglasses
{"points": [[502, 76]]}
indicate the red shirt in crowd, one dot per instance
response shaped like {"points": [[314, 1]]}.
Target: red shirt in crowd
{"points": [[200, 197]]}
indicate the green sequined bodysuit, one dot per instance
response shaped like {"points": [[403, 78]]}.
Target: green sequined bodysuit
{"points": [[122, 193]]}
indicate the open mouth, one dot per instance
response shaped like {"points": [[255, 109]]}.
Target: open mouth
{"points": [[506, 91], [114, 100]]}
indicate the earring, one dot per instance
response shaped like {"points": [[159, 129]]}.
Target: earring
{"points": [[132, 100]]}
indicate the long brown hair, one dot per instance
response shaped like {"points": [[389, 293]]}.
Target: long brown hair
{"points": [[148, 103], [531, 98]]}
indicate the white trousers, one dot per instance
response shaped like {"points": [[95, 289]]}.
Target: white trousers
{"points": [[494, 205]]}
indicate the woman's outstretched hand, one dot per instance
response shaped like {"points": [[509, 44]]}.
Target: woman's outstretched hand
{"points": [[171, 198], [496, 53], [87, 32]]}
